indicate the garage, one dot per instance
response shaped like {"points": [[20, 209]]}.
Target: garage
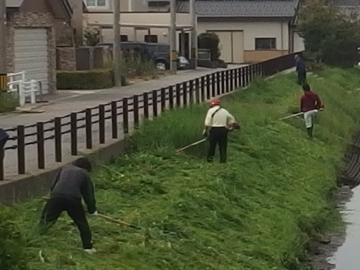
{"points": [[31, 54], [231, 46]]}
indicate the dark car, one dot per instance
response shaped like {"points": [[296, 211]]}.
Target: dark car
{"points": [[158, 52]]}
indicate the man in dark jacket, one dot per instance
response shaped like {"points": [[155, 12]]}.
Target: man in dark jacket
{"points": [[70, 185], [301, 70], [310, 103]]}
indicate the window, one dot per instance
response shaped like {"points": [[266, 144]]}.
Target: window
{"points": [[96, 3], [123, 37], [151, 38], [265, 44], [158, 3]]}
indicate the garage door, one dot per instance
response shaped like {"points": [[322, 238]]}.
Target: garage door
{"points": [[31, 54], [231, 46]]}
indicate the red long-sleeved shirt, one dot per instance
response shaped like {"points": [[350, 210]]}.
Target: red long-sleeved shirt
{"points": [[310, 101]]}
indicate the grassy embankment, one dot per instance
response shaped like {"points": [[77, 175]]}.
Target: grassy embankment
{"points": [[257, 212]]}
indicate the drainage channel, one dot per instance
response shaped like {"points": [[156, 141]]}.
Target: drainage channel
{"points": [[347, 256]]}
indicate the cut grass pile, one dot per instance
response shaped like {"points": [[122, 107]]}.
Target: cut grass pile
{"points": [[257, 212]]}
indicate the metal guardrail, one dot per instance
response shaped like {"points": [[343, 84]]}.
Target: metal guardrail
{"points": [[182, 94]]}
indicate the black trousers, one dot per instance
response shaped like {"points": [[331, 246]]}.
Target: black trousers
{"points": [[53, 209], [301, 78], [218, 136]]}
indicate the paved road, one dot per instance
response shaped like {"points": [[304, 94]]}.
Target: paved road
{"points": [[78, 101]]}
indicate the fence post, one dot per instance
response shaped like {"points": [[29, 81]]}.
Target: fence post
{"points": [[184, 94], [197, 91], [202, 88], [73, 133], [125, 103], [114, 124], [40, 144], [191, 92], [178, 95], [213, 85], [232, 76], [58, 141], [218, 83], [239, 77], [208, 87], [163, 99], [102, 124], [155, 103], [136, 111], [227, 81], [88, 128], [243, 82], [171, 97], [21, 149], [2, 155], [223, 80], [146, 105]]}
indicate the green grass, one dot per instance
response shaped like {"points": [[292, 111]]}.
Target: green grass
{"points": [[8, 102], [257, 212]]}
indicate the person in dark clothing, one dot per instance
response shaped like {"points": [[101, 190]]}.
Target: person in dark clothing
{"points": [[310, 103], [301, 70], [3, 139], [218, 120], [70, 185]]}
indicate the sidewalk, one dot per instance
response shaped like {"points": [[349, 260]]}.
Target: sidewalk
{"points": [[74, 101]]}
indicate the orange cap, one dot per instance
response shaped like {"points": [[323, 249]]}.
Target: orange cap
{"points": [[215, 102]]}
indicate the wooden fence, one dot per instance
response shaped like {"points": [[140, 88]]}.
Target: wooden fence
{"points": [[182, 94]]}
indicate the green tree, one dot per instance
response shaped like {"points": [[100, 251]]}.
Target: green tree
{"points": [[332, 35]]}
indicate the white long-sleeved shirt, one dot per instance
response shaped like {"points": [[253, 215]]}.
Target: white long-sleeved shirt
{"points": [[221, 119]]}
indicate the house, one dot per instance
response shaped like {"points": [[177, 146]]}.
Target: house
{"points": [[31, 38], [249, 30]]}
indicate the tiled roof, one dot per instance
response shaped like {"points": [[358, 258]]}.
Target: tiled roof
{"points": [[241, 8]]}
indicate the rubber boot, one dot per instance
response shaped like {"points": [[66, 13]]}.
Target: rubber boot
{"points": [[310, 132]]}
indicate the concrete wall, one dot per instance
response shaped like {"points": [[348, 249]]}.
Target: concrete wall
{"points": [[298, 43]]}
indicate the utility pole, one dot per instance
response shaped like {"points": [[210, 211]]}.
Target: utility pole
{"points": [[194, 44], [117, 44], [173, 62], [3, 60]]}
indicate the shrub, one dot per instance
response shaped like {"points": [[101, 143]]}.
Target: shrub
{"points": [[331, 35], [86, 79], [92, 36], [211, 42], [13, 243], [8, 102]]}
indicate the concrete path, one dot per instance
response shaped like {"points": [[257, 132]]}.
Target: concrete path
{"points": [[74, 102]]}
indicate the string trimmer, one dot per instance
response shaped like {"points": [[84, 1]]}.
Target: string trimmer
{"points": [[111, 219]]}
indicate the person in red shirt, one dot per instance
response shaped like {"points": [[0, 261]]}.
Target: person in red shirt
{"points": [[310, 104]]}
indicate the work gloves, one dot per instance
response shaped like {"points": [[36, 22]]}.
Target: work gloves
{"points": [[205, 133], [94, 214]]}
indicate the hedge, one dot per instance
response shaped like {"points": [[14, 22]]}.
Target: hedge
{"points": [[86, 79]]}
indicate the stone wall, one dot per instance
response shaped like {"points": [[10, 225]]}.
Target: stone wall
{"points": [[32, 20], [66, 58]]}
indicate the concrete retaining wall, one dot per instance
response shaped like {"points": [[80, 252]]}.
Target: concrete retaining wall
{"points": [[39, 182]]}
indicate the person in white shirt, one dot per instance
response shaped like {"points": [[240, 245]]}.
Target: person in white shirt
{"points": [[218, 122]]}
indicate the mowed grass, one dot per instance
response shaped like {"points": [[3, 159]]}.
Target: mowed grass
{"points": [[257, 212]]}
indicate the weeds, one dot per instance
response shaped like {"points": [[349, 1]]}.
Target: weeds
{"points": [[8, 102], [257, 212]]}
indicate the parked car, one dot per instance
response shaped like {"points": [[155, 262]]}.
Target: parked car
{"points": [[157, 52]]}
